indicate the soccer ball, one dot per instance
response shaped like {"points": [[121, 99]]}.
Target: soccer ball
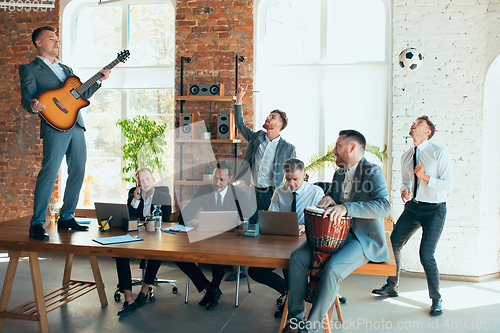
{"points": [[410, 59]]}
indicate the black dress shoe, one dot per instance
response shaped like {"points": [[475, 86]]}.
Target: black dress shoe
{"points": [[289, 328], [386, 290], [128, 308], [206, 298], [71, 224], [140, 300], [436, 307], [214, 297], [38, 232], [281, 299], [234, 275]]}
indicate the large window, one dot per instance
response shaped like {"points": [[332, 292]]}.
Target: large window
{"points": [[93, 34], [325, 63]]}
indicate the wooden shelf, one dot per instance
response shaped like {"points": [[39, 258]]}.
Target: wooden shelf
{"points": [[205, 98], [191, 182], [206, 140]]}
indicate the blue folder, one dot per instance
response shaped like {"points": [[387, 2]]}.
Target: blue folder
{"points": [[116, 239]]}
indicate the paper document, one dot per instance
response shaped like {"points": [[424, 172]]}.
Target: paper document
{"points": [[179, 228], [116, 239]]}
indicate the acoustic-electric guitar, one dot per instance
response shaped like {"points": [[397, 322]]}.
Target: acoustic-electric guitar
{"points": [[63, 104]]}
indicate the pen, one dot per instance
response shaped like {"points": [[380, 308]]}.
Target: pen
{"points": [[169, 232]]}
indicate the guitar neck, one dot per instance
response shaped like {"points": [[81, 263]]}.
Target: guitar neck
{"points": [[85, 86]]}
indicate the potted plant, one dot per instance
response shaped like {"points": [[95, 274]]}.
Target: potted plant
{"points": [[208, 173], [144, 147], [206, 131]]}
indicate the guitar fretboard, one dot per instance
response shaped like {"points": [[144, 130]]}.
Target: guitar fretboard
{"points": [[85, 86]]}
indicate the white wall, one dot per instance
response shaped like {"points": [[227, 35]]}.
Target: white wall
{"points": [[459, 40]]}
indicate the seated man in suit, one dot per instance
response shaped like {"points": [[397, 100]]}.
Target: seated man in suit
{"points": [[358, 190], [219, 196], [140, 204], [294, 196]]}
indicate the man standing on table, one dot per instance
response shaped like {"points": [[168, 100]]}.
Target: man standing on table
{"points": [[358, 190], [266, 153], [427, 177], [46, 72]]}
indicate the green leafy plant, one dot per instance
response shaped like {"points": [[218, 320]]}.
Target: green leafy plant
{"points": [[144, 147], [208, 169], [207, 128], [317, 163]]}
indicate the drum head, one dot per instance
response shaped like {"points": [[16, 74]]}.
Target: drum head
{"points": [[315, 209]]}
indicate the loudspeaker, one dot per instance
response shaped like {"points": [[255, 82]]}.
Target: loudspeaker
{"points": [[206, 89], [188, 124], [225, 126]]}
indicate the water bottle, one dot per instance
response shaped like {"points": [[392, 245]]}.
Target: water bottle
{"points": [[157, 217]]}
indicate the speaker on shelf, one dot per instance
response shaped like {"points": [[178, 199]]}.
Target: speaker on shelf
{"points": [[206, 89], [225, 126], [188, 124]]}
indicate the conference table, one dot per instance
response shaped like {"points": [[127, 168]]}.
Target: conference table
{"points": [[229, 248]]}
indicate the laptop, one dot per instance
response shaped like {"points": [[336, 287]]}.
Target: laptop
{"points": [[220, 221], [119, 211], [279, 223]]}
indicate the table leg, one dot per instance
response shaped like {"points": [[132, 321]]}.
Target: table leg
{"points": [[236, 303], [36, 279], [67, 274], [98, 280], [8, 282]]}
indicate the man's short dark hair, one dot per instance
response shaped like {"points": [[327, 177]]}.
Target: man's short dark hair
{"points": [[354, 136], [38, 31], [225, 165], [284, 118], [142, 170], [293, 165], [430, 124]]}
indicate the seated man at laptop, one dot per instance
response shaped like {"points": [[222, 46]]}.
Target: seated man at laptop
{"points": [[219, 196], [293, 196], [140, 204]]}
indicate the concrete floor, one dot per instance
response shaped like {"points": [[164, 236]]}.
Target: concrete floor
{"points": [[468, 306]]}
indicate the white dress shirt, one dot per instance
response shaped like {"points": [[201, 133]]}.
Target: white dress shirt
{"points": [[223, 195], [55, 67], [437, 165], [264, 161], [346, 194], [147, 203], [307, 195]]}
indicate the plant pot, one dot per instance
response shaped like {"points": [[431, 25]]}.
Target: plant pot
{"points": [[207, 177], [206, 135]]}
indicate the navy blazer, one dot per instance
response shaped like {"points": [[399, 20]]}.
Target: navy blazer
{"points": [[284, 150], [159, 197], [36, 77], [368, 207]]}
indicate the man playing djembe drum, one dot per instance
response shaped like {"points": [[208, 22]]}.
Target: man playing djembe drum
{"points": [[358, 190]]}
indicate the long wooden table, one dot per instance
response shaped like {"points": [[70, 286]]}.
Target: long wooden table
{"points": [[229, 248]]}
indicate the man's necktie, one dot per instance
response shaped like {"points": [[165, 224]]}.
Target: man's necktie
{"points": [[415, 178], [219, 201], [294, 202]]}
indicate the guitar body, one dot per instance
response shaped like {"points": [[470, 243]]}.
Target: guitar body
{"points": [[61, 106]]}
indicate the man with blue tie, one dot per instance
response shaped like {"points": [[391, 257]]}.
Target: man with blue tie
{"points": [[427, 177], [46, 72], [294, 196]]}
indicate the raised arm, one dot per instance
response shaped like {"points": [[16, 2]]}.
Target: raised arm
{"points": [[246, 131]]}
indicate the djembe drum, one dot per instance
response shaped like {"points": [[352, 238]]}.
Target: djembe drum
{"points": [[325, 238]]}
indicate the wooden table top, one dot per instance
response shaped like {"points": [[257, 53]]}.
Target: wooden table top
{"points": [[230, 248]]}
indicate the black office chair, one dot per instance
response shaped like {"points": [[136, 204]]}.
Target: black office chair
{"points": [[166, 201]]}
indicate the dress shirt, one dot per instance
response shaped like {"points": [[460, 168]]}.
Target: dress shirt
{"points": [[264, 160], [307, 195], [437, 165], [55, 67], [223, 195], [147, 203], [346, 194]]}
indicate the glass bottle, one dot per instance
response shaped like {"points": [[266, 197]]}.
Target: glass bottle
{"points": [[157, 217]]}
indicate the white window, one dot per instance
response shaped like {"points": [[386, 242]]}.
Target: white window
{"points": [[92, 35], [325, 63]]}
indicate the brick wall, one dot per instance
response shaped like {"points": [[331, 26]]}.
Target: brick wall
{"points": [[20, 146], [459, 40], [212, 33]]}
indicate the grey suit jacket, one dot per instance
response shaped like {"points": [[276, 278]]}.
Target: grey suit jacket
{"points": [[37, 77], [368, 208], [284, 150]]}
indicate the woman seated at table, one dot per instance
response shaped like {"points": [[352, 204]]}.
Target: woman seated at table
{"points": [[141, 204]]}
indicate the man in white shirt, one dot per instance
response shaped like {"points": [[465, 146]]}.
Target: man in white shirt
{"points": [[294, 196], [427, 177], [46, 72]]}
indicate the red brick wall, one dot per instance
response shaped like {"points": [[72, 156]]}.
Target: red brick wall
{"points": [[20, 146]]}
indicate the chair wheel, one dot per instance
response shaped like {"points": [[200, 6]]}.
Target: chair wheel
{"points": [[174, 290], [117, 297]]}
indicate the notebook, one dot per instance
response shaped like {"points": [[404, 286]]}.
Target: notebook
{"points": [[117, 239], [217, 221], [119, 211], [279, 223]]}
